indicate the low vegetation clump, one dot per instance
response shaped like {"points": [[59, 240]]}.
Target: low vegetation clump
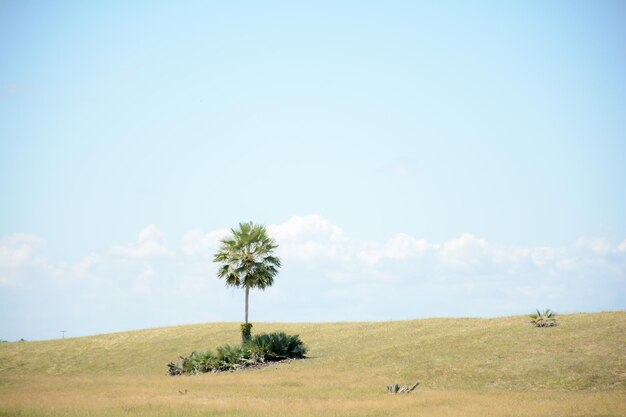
{"points": [[404, 389], [546, 318], [277, 346], [258, 350], [246, 332]]}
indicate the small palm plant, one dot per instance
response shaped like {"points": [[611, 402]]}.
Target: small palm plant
{"points": [[546, 318], [277, 346]]}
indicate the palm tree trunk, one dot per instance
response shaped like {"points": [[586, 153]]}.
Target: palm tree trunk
{"points": [[247, 296]]}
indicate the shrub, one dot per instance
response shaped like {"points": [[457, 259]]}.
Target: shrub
{"points": [[246, 332], [233, 357], [259, 349], [546, 318], [277, 346], [199, 362], [174, 369]]}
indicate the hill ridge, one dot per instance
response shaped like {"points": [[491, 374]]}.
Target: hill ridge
{"points": [[584, 352]]}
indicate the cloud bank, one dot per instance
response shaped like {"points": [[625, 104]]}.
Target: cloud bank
{"points": [[326, 275]]}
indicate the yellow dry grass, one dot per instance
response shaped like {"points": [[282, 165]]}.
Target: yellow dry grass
{"points": [[468, 367]]}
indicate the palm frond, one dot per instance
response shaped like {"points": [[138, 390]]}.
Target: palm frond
{"points": [[246, 258], [546, 318]]}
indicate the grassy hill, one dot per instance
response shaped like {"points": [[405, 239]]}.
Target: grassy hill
{"points": [[577, 368]]}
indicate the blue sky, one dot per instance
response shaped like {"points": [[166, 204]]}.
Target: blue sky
{"points": [[412, 159]]}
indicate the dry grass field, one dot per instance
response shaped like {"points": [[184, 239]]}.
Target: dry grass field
{"points": [[467, 367]]}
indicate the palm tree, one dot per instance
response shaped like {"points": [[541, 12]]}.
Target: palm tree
{"points": [[247, 259]]}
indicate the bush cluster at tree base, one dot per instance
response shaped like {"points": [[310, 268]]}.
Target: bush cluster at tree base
{"points": [[260, 349]]}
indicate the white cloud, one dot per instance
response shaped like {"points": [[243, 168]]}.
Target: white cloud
{"points": [[466, 252], [312, 227], [306, 238], [205, 243], [16, 253], [541, 256], [329, 275], [312, 238], [142, 283], [151, 244], [88, 262], [18, 249], [596, 245], [404, 246], [150, 234], [400, 246], [315, 241]]}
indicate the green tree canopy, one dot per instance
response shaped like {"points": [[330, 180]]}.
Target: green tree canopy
{"points": [[246, 259]]}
